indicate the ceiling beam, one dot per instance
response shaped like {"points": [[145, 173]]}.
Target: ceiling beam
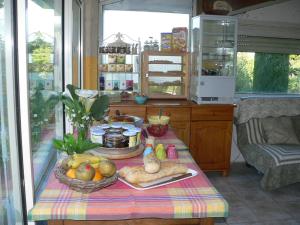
{"points": [[262, 4]]}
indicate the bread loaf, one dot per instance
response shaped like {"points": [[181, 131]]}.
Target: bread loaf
{"points": [[151, 163], [137, 174]]}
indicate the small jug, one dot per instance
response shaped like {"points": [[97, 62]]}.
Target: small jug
{"points": [[171, 152]]}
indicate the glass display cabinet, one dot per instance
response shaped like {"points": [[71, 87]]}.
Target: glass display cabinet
{"points": [[213, 59], [119, 65], [165, 74]]}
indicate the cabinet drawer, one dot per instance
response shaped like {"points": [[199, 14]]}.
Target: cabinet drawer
{"points": [[212, 112], [132, 111], [176, 114]]}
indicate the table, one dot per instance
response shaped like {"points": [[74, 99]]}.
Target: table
{"points": [[190, 201]]}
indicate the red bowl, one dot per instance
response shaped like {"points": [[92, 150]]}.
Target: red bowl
{"points": [[158, 130]]}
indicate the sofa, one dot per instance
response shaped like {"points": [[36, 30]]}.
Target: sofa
{"points": [[268, 136]]}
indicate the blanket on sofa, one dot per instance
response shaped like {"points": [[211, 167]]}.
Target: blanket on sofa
{"points": [[279, 161], [266, 107]]}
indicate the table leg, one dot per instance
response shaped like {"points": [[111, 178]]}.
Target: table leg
{"points": [[225, 173]]}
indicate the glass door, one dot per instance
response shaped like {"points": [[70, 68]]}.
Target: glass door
{"points": [[10, 180], [40, 82], [44, 51], [218, 47]]}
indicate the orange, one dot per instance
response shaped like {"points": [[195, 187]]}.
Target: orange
{"points": [[98, 176], [71, 173]]}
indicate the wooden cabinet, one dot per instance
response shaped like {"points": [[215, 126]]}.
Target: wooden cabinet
{"points": [[165, 75], [206, 129], [175, 113], [211, 143], [211, 133], [182, 131]]}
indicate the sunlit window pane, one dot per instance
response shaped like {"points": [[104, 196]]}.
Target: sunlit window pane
{"points": [[269, 73], [44, 72]]}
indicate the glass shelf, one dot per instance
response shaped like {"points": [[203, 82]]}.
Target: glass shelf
{"points": [[213, 58], [166, 74], [105, 54], [220, 47], [164, 63]]}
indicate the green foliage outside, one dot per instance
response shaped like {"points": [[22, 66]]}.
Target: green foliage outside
{"points": [[244, 79], [41, 52], [38, 42], [41, 110], [271, 72], [268, 73], [294, 73], [41, 106]]}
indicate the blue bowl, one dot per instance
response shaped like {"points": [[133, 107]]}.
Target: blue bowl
{"points": [[141, 99]]}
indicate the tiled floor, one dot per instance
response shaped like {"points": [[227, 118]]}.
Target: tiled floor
{"points": [[250, 205]]}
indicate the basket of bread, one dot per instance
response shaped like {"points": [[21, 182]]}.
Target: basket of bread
{"points": [[156, 171], [86, 173]]}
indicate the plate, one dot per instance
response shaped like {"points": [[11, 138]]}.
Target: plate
{"points": [[160, 182], [118, 153], [136, 121]]}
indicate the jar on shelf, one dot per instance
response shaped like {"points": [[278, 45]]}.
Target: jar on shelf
{"points": [[155, 46], [146, 46]]}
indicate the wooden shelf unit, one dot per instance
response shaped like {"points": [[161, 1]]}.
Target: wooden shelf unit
{"points": [[182, 74]]}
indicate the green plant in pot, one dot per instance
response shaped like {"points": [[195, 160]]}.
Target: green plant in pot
{"points": [[82, 108]]}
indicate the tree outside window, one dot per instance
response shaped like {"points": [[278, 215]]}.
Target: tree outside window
{"points": [[268, 73]]}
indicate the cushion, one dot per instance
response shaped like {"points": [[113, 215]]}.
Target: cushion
{"points": [[296, 125], [254, 131], [279, 130]]}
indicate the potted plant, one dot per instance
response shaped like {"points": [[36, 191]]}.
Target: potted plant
{"points": [[82, 108]]}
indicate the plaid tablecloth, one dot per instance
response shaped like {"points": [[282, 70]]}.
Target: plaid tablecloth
{"points": [[191, 198]]}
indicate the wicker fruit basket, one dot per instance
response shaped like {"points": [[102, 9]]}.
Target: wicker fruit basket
{"points": [[83, 186]]}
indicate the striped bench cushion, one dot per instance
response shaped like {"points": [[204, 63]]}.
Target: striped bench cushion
{"points": [[282, 154], [255, 131]]}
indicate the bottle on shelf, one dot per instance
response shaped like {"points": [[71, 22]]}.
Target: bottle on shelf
{"points": [[101, 83]]}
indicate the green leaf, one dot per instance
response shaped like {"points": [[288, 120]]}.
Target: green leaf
{"points": [[58, 144], [72, 90], [70, 145], [99, 107]]}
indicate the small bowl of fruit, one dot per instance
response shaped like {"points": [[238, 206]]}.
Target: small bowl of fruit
{"points": [[86, 173], [158, 125]]}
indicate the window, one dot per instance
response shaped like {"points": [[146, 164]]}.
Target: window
{"points": [[45, 79], [140, 24], [268, 65], [10, 181], [270, 73]]}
